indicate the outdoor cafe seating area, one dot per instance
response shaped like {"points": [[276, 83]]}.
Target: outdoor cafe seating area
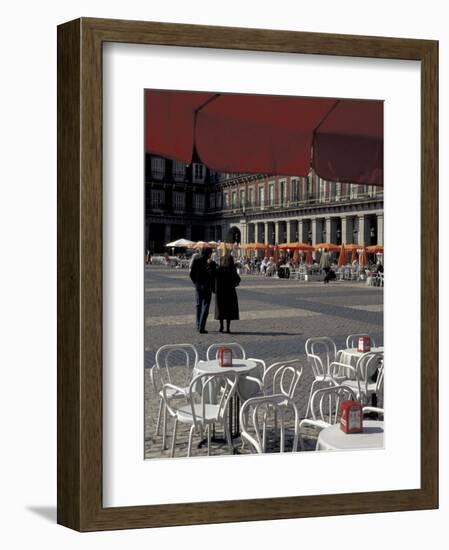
{"points": [[296, 261], [228, 403]]}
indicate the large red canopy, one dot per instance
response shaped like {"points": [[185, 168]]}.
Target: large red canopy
{"points": [[341, 139]]}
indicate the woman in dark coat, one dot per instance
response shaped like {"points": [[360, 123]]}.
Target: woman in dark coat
{"points": [[226, 303]]}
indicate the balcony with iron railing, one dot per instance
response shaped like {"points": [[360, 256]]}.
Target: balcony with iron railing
{"points": [[313, 201]]}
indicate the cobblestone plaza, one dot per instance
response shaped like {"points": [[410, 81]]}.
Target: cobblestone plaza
{"points": [[277, 316]]}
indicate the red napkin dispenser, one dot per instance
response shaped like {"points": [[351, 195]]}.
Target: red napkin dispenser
{"points": [[364, 344], [224, 356], [351, 420]]}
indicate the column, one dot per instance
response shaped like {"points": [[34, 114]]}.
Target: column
{"points": [[289, 231], [301, 237], [277, 230], [314, 231], [362, 230], [244, 233], [344, 230], [328, 226], [266, 241], [380, 229], [256, 232], [167, 233]]}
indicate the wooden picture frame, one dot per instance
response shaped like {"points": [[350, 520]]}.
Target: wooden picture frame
{"points": [[80, 351]]}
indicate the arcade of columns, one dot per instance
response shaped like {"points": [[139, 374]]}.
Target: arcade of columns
{"points": [[358, 229]]}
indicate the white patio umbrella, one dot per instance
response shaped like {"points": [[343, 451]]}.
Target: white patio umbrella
{"points": [[180, 243]]}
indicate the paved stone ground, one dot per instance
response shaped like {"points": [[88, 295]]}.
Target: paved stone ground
{"points": [[277, 317]]}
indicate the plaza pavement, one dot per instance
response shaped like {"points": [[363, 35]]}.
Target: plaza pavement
{"points": [[276, 318]]}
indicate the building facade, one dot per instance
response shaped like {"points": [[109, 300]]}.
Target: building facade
{"points": [[196, 203]]}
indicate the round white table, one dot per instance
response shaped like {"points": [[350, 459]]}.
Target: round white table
{"points": [[212, 367], [351, 356], [334, 439], [245, 388]]}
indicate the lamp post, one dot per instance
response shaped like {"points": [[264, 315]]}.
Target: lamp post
{"points": [[338, 236]]}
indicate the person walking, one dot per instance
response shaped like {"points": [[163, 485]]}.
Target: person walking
{"points": [[202, 272], [226, 302]]}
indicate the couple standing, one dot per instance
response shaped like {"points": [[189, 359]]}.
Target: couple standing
{"points": [[222, 280]]}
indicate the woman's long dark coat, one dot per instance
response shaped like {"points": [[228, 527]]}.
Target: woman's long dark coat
{"points": [[226, 303]]}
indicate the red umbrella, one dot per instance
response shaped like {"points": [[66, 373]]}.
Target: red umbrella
{"points": [[362, 257], [269, 134], [342, 256], [309, 259]]}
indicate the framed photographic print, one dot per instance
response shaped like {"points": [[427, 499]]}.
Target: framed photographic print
{"points": [[247, 235]]}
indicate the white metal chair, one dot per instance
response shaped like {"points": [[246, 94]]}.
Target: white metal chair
{"points": [[352, 340], [367, 377], [254, 418], [381, 279], [197, 409], [282, 378], [168, 357], [321, 352], [325, 407]]}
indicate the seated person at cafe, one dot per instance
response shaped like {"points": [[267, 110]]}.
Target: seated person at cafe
{"points": [[330, 275]]}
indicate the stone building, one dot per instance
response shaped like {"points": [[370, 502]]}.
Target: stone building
{"points": [[196, 203]]}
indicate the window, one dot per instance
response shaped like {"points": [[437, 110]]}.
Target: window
{"points": [[251, 196], [179, 200], [198, 202], [261, 197], [294, 190], [198, 172], [242, 198], [353, 191], [179, 170], [214, 176], [305, 188], [322, 190], [157, 168], [226, 200], [157, 198], [212, 201], [271, 194], [219, 199], [282, 192], [309, 187], [338, 191], [234, 199]]}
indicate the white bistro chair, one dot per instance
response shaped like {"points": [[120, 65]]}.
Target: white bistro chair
{"points": [[197, 410], [167, 358], [325, 408], [363, 378], [254, 418], [281, 378], [321, 353]]}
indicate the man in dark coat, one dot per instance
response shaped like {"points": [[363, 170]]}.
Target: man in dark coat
{"points": [[202, 275]]}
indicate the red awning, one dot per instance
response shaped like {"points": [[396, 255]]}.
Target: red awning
{"points": [[341, 139]]}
